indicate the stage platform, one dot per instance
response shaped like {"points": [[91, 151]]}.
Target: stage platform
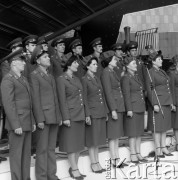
{"points": [[167, 167]]}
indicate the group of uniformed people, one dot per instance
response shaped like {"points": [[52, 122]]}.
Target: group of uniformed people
{"points": [[82, 102]]}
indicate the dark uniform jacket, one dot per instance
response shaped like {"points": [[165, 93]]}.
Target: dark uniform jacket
{"points": [[16, 98], [161, 84], [28, 67], [80, 72], [112, 90], [120, 69], [95, 105], [44, 96], [141, 71], [133, 93], [70, 93], [56, 69], [173, 75]]}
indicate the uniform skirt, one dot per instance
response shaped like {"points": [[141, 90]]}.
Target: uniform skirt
{"points": [[161, 124], [72, 139], [134, 126], [95, 134], [114, 128], [174, 117]]}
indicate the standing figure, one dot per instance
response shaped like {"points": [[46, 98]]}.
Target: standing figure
{"points": [[29, 44], [173, 74], [160, 104], [47, 115], [118, 50], [14, 45], [16, 99], [76, 47], [72, 132], [96, 113], [135, 108], [59, 47], [98, 49], [115, 102]]}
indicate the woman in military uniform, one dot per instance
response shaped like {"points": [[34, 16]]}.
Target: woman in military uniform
{"points": [[159, 102], [115, 102], [135, 108], [96, 113], [47, 115], [72, 132]]}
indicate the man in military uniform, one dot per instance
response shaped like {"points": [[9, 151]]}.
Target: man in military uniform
{"points": [[98, 49], [141, 70], [29, 43], [13, 46], [16, 99], [76, 47], [43, 42], [59, 46], [118, 50]]}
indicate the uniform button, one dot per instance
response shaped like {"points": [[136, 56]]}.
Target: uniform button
{"points": [[100, 94], [81, 104], [81, 99], [100, 98], [101, 102], [142, 98], [80, 94], [99, 90]]}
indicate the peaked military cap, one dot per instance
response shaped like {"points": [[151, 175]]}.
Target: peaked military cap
{"points": [[117, 46], [37, 53], [75, 43], [42, 40], [30, 39], [15, 43], [132, 45], [16, 55], [95, 42], [57, 40]]}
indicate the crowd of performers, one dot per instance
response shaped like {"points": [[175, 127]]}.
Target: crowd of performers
{"points": [[83, 102]]}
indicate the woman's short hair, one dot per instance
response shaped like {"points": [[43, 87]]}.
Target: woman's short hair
{"points": [[89, 62], [66, 63]]}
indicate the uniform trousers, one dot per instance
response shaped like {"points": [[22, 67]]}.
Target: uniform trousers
{"points": [[46, 167], [20, 155]]}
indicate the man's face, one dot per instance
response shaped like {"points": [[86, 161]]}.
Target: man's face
{"points": [[78, 50], [60, 47], [133, 52], [45, 47], [98, 48], [119, 52], [19, 64], [30, 47]]}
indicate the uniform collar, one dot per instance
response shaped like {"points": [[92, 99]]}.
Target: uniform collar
{"points": [[14, 74]]}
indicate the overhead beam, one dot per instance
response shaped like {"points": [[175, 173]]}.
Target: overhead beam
{"points": [[108, 2], [90, 9], [84, 20], [14, 28], [45, 13]]}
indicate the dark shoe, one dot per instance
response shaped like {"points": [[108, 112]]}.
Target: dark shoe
{"points": [[72, 176], [97, 171], [161, 156], [3, 159]]}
